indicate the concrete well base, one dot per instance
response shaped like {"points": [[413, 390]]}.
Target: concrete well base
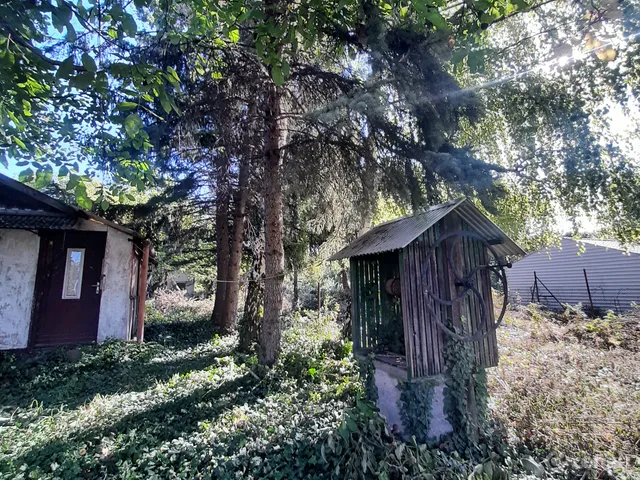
{"points": [[387, 378]]}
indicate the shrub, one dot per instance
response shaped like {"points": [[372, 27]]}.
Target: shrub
{"points": [[169, 304]]}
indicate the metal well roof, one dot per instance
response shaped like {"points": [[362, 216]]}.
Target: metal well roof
{"points": [[399, 233]]}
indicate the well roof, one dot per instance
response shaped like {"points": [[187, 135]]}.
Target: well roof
{"points": [[398, 233]]}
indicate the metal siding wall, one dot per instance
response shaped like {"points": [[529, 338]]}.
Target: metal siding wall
{"points": [[613, 276]]}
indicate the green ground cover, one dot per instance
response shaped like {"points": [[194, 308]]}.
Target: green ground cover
{"points": [[186, 404]]}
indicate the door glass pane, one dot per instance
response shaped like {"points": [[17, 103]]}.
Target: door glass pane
{"points": [[72, 287]]}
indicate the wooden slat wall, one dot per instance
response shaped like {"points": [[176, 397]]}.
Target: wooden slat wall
{"points": [[356, 324], [492, 340], [390, 307], [372, 307], [423, 338], [366, 309]]}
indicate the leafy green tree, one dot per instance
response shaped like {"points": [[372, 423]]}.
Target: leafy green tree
{"points": [[553, 83], [63, 66]]}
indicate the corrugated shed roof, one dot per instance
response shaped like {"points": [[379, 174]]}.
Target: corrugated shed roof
{"points": [[399, 233], [35, 219], [613, 244], [17, 199]]}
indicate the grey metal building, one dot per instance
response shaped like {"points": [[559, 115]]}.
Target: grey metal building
{"points": [[598, 273]]}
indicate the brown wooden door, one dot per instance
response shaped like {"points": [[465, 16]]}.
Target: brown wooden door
{"points": [[68, 288]]}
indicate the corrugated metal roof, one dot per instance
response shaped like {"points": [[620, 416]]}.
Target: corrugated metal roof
{"points": [[17, 198], [35, 219], [613, 244], [399, 233]]}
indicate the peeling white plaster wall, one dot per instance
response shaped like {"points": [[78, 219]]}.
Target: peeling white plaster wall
{"points": [[115, 303], [439, 425], [18, 266]]}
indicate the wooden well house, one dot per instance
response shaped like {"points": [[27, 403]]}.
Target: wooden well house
{"points": [[390, 275], [406, 272]]}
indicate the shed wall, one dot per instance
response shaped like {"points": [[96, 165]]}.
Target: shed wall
{"points": [[115, 304], [613, 276], [18, 266]]}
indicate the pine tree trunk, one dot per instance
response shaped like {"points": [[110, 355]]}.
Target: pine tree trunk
{"points": [[249, 326], [230, 311], [274, 250], [222, 189], [296, 292]]}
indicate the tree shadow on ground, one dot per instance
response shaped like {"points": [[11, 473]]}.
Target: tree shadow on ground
{"points": [[52, 380], [179, 333], [176, 418]]}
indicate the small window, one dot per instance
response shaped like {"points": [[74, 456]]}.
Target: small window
{"points": [[72, 286]]}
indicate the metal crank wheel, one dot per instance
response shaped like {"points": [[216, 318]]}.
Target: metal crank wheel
{"points": [[467, 282]]}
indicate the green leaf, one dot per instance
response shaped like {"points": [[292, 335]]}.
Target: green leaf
{"points": [[26, 108], [234, 36], [89, 63], [66, 68], [19, 142], [133, 124], [124, 106], [276, 74], [71, 34], [436, 20], [173, 77], [82, 199], [104, 205], [129, 25], [73, 182], [63, 172], [164, 101], [476, 62], [25, 175], [286, 68], [44, 176], [57, 23], [344, 433]]}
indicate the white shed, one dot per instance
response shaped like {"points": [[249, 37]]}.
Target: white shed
{"points": [[67, 276], [601, 273]]}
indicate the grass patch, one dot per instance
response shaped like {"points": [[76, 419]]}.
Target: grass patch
{"points": [[570, 386], [173, 407]]}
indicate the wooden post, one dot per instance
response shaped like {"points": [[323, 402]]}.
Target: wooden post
{"points": [[142, 290], [535, 287], [586, 280]]}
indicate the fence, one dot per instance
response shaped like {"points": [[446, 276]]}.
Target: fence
{"points": [[595, 299]]}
